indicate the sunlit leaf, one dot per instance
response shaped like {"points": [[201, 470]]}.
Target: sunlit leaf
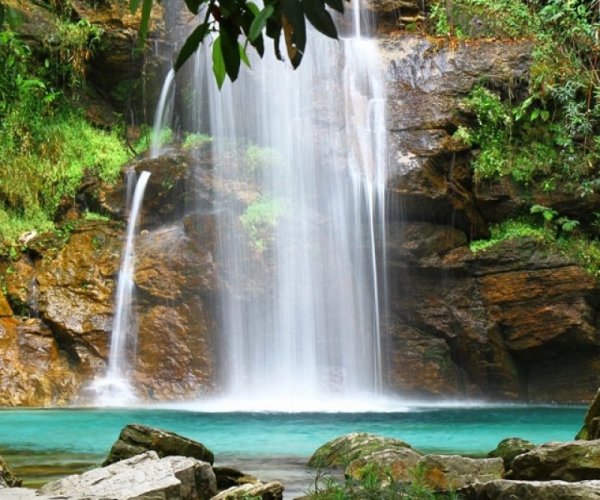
{"points": [[145, 22], [218, 62], [260, 21], [134, 5]]}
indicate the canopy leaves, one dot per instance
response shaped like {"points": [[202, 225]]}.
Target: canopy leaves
{"points": [[232, 25]]}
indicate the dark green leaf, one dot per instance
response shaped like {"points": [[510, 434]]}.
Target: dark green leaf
{"points": [[336, 5], [134, 5], [193, 5], [218, 62], [259, 22], [145, 22], [294, 30], [1, 14], [230, 50], [191, 44], [319, 17]]}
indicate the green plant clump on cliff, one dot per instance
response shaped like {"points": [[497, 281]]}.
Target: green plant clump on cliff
{"points": [[551, 136], [46, 144]]}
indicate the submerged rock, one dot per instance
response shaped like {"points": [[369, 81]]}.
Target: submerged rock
{"points": [[135, 439], [591, 423], [8, 479], [450, 472], [571, 461], [504, 489], [141, 476], [344, 449], [510, 448]]}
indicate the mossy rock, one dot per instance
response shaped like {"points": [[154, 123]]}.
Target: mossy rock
{"points": [[7, 477], [510, 448], [136, 439], [344, 449]]}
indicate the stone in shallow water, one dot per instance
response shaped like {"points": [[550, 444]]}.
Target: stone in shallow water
{"points": [[135, 439], [7, 476], [143, 476], [344, 449]]}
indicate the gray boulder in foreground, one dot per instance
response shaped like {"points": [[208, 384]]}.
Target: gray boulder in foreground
{"points": [[504, 489], [144, 476], [571, 461], [265, 491], [135, 439]]}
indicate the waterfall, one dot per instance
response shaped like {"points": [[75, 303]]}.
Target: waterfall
{"points": [[163, 115], [300, 307], [114, 389], [299, 162]]}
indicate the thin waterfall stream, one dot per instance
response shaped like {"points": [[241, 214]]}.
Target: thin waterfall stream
{"points": [[114, 388]]}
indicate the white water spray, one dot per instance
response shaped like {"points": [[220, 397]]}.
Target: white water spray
{"points": [[163, 115], [114, 389]]}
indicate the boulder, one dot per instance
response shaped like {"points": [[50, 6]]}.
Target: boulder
{"points": [[228, 477], [8, 479], [396, 464], [451, 472], [141, 476], [341, 451], [571, 461], [591, 423], [510, 448], [503, 489], [135, 439], [265, 491]]}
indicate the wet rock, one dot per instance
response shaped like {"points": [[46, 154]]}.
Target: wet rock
{"points": [[571, 461], [591, 423], [472, 324], [451, 472], [532, 490], [510, 448], [8, 479], [141, 476], [119, 70], [395, 464], [430, 177], [20, 281], [76, 287], [228, 477], [5, 309], [265, 491], [344, 449], [136, 439], [35, 371]]}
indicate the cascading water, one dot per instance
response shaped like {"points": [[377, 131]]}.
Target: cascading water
{"points": [[300, 255], [164, 113], [311, 333], [114, 389]]}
